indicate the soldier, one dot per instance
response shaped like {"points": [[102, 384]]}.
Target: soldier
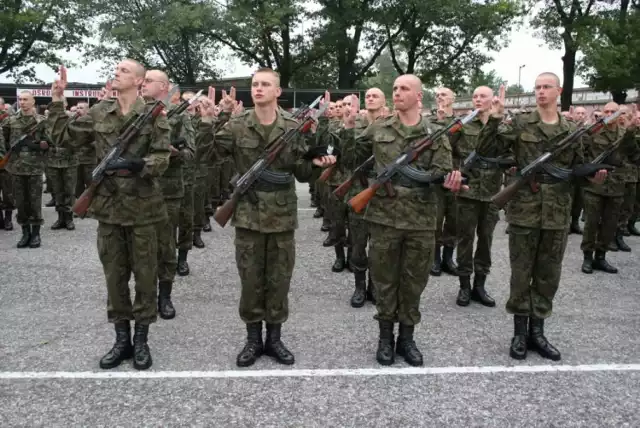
{"points": [[128, 206], [7, 204], [630, 171], [86, 157], [265, 245], [538, 221], [402, 229], [636, 209], [579, 116], [156, 87], [26, 168]]}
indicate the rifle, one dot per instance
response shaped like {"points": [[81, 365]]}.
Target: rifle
{"points": [[243, 184], [359, 172], [25, 140], [410, 154], [122, 144], [184, 105], [527, 174]]}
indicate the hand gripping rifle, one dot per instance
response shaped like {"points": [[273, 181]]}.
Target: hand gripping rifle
{"points": [[243, 184], [122, 144], [527, 174], [184, 105], [409, 155], [25, 140]]}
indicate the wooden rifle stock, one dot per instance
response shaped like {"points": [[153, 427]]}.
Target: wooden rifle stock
{"points": [[223, 213], [326, 173], [342, 189], [360, 201], [501, 198], [81, 205], [5, 160]]}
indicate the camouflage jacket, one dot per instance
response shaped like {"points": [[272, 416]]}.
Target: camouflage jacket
{"points": [[29, 160], [630, 158], [527, 138], [203, 142], [182, 133], [352, 158], [614, 184], [333, 127], [122, 199], [413, 208], [60, 153], [242, 138]]}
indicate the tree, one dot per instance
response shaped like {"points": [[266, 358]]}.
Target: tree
{"points": [[34, 32], [383, 77], [514, 89], [611, 60], [180, 46], [480, 78]]}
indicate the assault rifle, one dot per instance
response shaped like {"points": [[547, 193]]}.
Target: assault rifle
{"points": [[122, 144], [409, 155], [527, 174], [359, 172], [243, 184], [184, 105], [26, 140]]}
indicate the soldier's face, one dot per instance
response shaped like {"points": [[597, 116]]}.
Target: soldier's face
{"points": [[444, 97], [547, 90], [610, 109], [331, 110], [580, 115], [26, 102], [482, 98], [374, 100], [82, 109], [126, 77], [264, 88], [405, 95], [339, 108], [153, 86]]}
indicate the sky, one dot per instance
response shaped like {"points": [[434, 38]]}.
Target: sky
{"points": [[524, 49]]}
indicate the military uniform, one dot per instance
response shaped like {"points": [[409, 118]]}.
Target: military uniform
{"points": [[185, 221], [128, 208], [7, 204], [62, 170], [629, 170], [402, 231], [265, 220], [200, 191], [26, 168], [538, 224], [86, 164]]}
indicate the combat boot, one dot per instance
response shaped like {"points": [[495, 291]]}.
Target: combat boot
{"points": [[575, 226], [254, 348], [141, 352], [360, 293], [612, 246], [518, 349], [371, 292], [35, 237], [587, 262], [26, 236], [339, 264], [183, 266], [69, 224], [197, 239], [59, 223], [1, 222], [51, 203], [385, 354], [122, 349], [165, 306], [436, 269], [632, 226], [275, 348], [326, 225], [318, 213], [464, 294], [8, 224], [600, 263], [479, 293], [537, 342], [622, 246], [406, 346], [448, 265]]}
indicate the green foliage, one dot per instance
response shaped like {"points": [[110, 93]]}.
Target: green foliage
{"points": [[514, 89], [480, 78]]}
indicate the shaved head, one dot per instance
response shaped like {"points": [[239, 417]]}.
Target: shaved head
{"points": [[554, 76], [374, 99], [407, 93], [137, 68], [157, 75]]}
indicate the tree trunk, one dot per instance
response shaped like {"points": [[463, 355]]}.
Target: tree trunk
{"points": [[568, 74], [619, 97]]}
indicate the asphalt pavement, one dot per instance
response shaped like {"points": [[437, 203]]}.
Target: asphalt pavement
{"points": [[53, 331]]}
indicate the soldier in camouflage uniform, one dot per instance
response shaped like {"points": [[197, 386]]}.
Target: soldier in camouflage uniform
{"points": [[156, 87], [334, 124], [128, 206], [26, 168], [633, 230], [402, 228], [630, 172], [86, 157], [602, 203], [319, 186], [265, 245], [7, 204], [538, 221]]}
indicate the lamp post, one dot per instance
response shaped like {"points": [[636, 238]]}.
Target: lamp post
{"points": [[519, 79]]}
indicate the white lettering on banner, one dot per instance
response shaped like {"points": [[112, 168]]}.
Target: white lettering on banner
{"points": [[69, 93]]}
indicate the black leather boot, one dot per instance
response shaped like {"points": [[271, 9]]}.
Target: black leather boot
{"points": [[183, 266], [51, 203], [622, 246], [600, 263], [632, 226], [518, 349], [539, 343], [479, 293], [254, 347], [165, 305], [339, 264], [385, 354], [141, 352], [448, 265], [26, 236], [69, 224], [318, 213], [464, 294], [436, 269], [371, 292], [35, 237], [587, 262], [197, 239], [360, 292], [59, 223], [274, 346], [8, 224], [326, 225], [406, 346], [575, 226], [612, 246], [122, 349]]}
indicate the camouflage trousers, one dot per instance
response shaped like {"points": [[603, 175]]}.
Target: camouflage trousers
{"points": [[577, 202], [27, 191], [536, 266], [199, 202], [628, 204], [6, 191], [124, 250], [185, 222], [399, 264], [358, 238], [63, 187], [337, 212], [600, 221], [213, 192], [167, 233], [313, 186], [219, 178], [475, 217], [83, 177], [447, 219], [265, 263]]}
